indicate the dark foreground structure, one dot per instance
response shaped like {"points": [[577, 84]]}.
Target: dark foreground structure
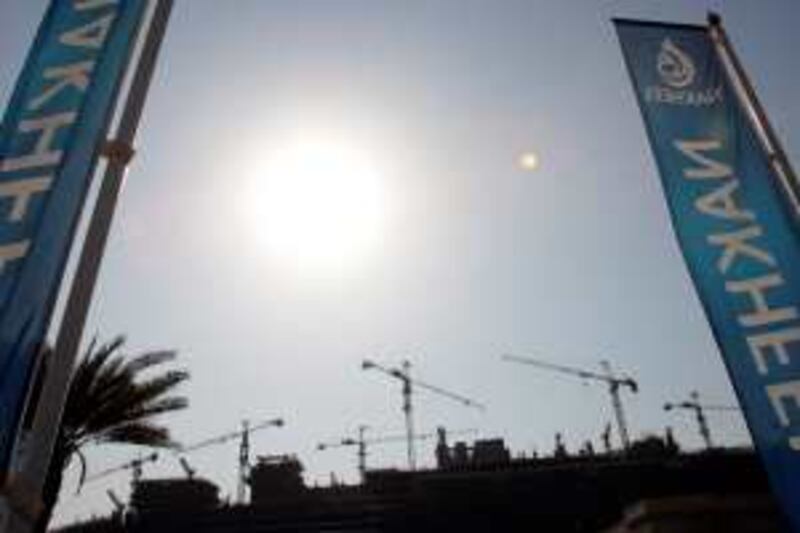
{"points": [[649, 491]]}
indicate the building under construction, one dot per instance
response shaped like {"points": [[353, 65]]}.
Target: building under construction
{"points": [[652, 487]]}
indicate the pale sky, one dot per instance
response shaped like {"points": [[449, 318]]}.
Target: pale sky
{"points": [[463, 256]]}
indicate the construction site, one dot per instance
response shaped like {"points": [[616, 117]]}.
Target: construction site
{"points": [[643, 485], [341, 213]]}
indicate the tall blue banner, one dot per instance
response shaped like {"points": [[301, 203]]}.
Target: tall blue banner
{"points": [[738, 235], [56, 120]]}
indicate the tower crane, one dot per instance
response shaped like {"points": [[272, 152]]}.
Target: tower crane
{"points": [[361, 443], [404, 375], [244, 450], [135, 466], [244, 456], [615, 383], [693, 404]]}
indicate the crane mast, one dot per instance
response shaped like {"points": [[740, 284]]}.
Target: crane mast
{"points": [[404, 375], [615, 383], [244, 462], [362, 452], [244, 450], [619, 413]]}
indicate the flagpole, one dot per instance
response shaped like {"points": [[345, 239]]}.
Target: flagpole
{"points": [[747, 96], [118, 153]]}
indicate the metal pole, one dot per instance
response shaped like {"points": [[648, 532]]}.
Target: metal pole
{"points": [[758, 116], [118, 152]]}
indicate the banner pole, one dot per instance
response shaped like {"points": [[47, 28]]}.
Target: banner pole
{"points": [[747, 95], [118, 153]]}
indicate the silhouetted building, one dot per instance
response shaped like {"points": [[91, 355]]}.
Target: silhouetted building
{"points": [[482, 452], [608, 492], [443, 454], [276, 478], [174, 496]]}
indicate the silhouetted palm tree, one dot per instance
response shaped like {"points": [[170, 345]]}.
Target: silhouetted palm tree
{"points": [[110, 401]]}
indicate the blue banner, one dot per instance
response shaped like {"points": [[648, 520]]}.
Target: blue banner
{"points": [[56, 120], [737, 233]]}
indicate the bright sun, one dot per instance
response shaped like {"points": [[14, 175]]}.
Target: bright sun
{"points": [[318, 205]]}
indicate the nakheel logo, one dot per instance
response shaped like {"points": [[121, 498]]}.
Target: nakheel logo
{"points": [[675, 67], [677, 73]]}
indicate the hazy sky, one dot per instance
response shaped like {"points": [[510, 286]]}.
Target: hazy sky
{"points": [[574, 262]]}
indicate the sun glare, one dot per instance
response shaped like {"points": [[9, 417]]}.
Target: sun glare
{"points": [[318, 205], [528, 161]]}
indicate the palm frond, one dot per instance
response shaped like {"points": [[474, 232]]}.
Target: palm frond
{"points": [[143, 434], [82, 476], [108, 394], [146, 360], [88, 376], [136, 402], [110, 401]]}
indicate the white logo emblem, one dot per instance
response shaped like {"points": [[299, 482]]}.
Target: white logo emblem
{"points": [[674, 66]]}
